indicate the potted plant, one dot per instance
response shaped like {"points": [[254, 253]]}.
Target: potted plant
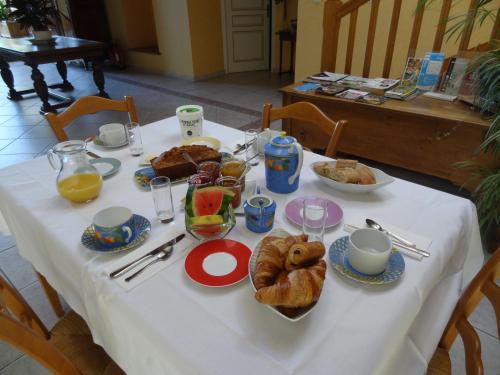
{"points": [[486, 90], [33, 15], [8, 28]]}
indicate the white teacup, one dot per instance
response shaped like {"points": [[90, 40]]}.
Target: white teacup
{"points": [[113, 134], [369, 250]]}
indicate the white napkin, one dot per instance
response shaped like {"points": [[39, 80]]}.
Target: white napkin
{"points": [[421, 242], [180, 250]]}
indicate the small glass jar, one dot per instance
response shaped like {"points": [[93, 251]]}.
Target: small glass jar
{"points": [[200, 180], [234, 168], [235, 186], [211, 168]]}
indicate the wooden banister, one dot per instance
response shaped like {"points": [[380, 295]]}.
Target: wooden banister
{"points": [[336, 10], [391, 41], [350, 40], [371, 37], [441, 27]]}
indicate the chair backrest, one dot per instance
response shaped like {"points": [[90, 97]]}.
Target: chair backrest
{"points": [[11, 301], [306, 112], [483, 284], [85, 106], [24, 339]]}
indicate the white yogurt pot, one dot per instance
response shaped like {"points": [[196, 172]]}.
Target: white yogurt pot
{"points": [[190, 120]]}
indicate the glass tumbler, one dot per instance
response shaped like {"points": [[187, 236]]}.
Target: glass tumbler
{"points": [[161, 188], [134, 138], [313, 219], [252, 146]]}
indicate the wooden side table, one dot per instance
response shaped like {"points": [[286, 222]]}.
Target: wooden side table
{"points": [[65, 48]]}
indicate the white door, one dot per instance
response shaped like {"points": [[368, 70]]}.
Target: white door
{"points": [[247, 35]]}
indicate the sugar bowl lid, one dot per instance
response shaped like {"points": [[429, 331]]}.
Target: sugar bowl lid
{"points": [[283, 140]]}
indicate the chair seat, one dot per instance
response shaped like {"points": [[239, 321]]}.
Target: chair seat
{"points": [[440, 363], [72, 337]]}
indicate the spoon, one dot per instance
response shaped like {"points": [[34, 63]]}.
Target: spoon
{"points": [[161, 256], [188, 158], [373, 224]]}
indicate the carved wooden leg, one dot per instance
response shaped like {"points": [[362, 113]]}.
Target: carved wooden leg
{"points": [[8, 78], [41, 88], [52, 295], [63, 72], [99, 77]]}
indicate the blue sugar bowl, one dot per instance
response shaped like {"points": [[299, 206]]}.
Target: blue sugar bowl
{"points": [[259, 213]]}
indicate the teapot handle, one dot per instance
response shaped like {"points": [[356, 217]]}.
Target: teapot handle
{"points": [[292, 178], [53, 160]]}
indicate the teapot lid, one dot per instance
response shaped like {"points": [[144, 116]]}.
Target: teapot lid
{"points": [[283, 140]]}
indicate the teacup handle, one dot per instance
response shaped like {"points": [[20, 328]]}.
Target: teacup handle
{"points": [[129, 233]]}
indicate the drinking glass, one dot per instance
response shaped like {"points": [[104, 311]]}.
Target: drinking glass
{"points": [[161, 188], [134, 138], [252, 146], [313, 218]]}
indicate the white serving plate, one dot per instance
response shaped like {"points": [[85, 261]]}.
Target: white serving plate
{"points": [[381, 177], [278, 232]]}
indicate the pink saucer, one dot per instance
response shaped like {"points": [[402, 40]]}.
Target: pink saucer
{"points": [[294, 209]]}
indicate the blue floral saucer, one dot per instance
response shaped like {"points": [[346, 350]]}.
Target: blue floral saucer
{"points": [[144, 176], [338, 257], [142, 226]]}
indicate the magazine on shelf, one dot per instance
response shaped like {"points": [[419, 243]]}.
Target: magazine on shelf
{"points": [[400, 92], [327, 77], [454, 76], [411, 72], [352, 94], [430, 71], [373, 85]]}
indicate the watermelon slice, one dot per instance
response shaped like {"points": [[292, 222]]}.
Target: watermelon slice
{"points": [[212, 200]]}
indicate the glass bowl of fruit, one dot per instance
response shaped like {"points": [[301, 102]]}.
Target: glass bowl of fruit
{"points": [[208, 212]]}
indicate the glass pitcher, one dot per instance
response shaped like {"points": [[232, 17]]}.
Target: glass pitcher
{"points": [[78, 181]]}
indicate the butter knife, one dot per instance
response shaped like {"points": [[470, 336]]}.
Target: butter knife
{"points": [[124, 269]]}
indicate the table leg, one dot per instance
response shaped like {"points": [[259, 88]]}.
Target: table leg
{"points": [[63, 72], [99, 77], [41, 88], [8, 78]]}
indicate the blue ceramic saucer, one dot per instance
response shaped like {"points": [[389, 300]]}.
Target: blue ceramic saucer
{"points": [[142, 227], [338, 257]]}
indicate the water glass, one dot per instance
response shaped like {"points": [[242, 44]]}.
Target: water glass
{"points": [[252, 146], [134, 138], [161, 188], [313, 218]]}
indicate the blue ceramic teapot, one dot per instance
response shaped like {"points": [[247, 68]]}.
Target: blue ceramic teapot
{"points": [[259, 213], [284, 158]]}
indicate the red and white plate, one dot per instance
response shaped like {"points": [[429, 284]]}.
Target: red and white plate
{"points": [[218, 263]]}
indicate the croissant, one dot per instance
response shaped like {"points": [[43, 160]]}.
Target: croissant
{"points": [[300, 288], [271, 258], [301, 254]]}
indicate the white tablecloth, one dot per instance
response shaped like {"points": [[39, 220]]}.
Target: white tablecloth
{"points": [[170, 325]]}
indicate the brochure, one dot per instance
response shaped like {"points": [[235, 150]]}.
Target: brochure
{"points": [[430, 71]]}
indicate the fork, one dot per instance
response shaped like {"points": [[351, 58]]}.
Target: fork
{"points": [[161, 256]]}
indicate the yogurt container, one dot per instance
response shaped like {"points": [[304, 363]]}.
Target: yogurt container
{"points": [[190, 120]]}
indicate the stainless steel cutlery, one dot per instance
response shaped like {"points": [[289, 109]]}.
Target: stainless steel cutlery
{"points": [[153, 253], [161, 256]]}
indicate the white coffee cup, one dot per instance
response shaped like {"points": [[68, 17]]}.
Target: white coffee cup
{"points": [[113, 134], [369, 250]]}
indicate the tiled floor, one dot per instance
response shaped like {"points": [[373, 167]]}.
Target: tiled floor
{"points": [[234, 100]]}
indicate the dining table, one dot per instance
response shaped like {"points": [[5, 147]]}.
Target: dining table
{"points": [[168, 324]]}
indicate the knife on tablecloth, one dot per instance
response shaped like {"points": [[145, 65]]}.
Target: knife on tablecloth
{"points": [[122, 270]]}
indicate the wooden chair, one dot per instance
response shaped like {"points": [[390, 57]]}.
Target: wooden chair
{"points": [[86, 106], [306, 112], [67, 349], [482, 285]]}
